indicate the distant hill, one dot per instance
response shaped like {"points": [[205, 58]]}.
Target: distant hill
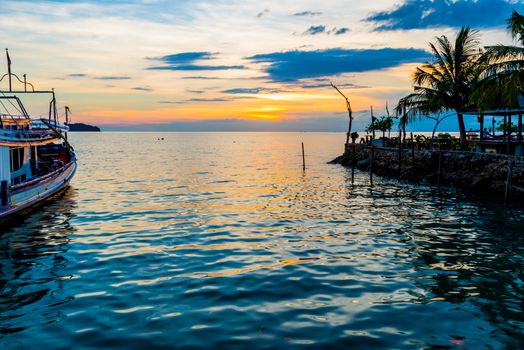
{"points": [[82, 127]]}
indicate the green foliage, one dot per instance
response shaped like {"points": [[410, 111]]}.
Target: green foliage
{"points": [[354, 135], [506, 128], [445, 83], [504, 81], [383, 124], [444, 136]]}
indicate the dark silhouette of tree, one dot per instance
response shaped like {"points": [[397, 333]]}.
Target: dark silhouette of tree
{"points": [[446, 83], [350, 112]]}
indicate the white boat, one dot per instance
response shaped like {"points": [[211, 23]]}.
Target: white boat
{"points": [[36, 159]]}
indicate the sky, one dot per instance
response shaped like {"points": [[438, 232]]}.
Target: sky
{"points": [[233, 65]]}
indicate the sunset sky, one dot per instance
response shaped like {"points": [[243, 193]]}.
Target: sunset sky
{"points": [[232, 64]]}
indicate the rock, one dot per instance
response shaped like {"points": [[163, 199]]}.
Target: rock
{"points": [[479, 172]]}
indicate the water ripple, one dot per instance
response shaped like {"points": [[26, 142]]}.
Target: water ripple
{"points": [[201, 242]]}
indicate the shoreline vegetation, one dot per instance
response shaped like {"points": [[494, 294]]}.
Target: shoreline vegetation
{"points": [[463, 79], [81, 127]]}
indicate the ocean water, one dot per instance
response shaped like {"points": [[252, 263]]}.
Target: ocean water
{"points": [[222, 241]]}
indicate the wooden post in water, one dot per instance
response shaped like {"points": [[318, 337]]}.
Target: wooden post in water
{"points": [[520, 129], [371, 163], [481, 120], [509, 134], [507, 192], [372, 123], [413, 156], [353, 164], [399, 155], [303, 158], [439, 165]]}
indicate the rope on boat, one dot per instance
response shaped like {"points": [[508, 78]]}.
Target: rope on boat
{"points": [[12, 104], [58, 133]]}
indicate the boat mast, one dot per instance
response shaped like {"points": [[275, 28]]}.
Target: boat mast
{"points": [[8, 68], [67, 119], [55, 116], [67, 111]]}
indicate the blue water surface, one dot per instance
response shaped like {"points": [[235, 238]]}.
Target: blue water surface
{"points": [[222, 241]]}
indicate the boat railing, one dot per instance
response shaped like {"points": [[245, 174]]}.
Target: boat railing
{"points": [[12, 116], [25, 134]]}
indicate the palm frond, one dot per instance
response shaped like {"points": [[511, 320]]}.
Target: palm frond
{"points": [[516, 26]]}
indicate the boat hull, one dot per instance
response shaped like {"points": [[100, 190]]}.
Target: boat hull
{"points": [[38, 192]]}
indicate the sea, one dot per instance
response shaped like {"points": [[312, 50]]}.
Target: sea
{"points": [[224, 241]]}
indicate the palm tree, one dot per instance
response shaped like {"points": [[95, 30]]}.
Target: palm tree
{"points": [[446, 83], [505, 79]]}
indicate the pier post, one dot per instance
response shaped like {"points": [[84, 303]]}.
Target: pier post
{"points": [[507, 192], [481, 120], [371, 163], [439, 165], [520, 128], [353, 164], [303, 158], [399, 155], [413, 157], [4, 194], [509, 133]]}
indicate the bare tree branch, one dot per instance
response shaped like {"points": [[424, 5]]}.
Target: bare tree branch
{"points": [[350, 111]]}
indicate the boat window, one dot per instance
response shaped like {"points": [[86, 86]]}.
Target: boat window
{"points": [[17, 158]]}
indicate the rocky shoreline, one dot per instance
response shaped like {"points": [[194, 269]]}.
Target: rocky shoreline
{"points": [[483, 173]]}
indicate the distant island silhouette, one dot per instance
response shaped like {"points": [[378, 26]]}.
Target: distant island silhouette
{"points": [[83, 127]]}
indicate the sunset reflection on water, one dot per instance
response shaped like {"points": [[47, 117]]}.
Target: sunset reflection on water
{"points": [[222, 240]]}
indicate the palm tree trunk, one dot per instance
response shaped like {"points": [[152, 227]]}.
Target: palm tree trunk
{"points": [[434, 130], [462, 129]]}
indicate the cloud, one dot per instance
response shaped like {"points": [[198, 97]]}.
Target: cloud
{"points": [[314, 30], [201, 78], [195, 100], [184, 57], [208, 100], [194, 67], [171, 102], [187, 61], [257, 90], [290, 66], [307, 14], [263, 13], [328, 85], [420, 14], [140, 88], [322, 29], [113, 78], [340, 31], [77, 75]]}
